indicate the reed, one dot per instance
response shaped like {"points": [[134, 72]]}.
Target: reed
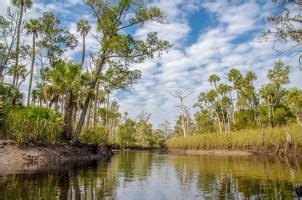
{"points": [[254, 139]]}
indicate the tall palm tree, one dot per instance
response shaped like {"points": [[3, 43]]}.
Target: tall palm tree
{"points": [[235, 77], [22, 4], [84, 28], [33, 27], [214, 79]]}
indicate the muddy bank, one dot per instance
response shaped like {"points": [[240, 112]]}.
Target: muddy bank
{"points": [[282, 153], [33, 157]]}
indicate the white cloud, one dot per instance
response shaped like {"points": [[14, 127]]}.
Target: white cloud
{"points": [[214, 52], [228, 42]]}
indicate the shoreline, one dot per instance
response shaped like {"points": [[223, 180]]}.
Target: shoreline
{"points": [[212, 152], [14, 159], [227, 152]]}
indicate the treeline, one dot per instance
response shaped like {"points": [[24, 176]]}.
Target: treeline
{"points": [[236, 104], [73, 95]]}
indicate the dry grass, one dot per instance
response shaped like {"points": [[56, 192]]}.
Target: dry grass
{"points": [[270, 139]]}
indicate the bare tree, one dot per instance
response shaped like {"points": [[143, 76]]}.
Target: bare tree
{"points": [[143, 116], [181, 96]]}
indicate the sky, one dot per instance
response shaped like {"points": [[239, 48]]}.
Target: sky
{"points": [[209, 37]]}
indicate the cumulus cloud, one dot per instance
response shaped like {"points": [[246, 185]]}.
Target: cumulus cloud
{"points": [[229, 40]]}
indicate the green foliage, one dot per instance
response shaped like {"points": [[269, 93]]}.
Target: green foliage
{"points": [[126, 133], [282, 115], [10, 95], [54, 39], [33, 124], [204, 123], [244, 120], [94, 136]]}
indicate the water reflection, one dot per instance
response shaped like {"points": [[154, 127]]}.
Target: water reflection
{"points": [[157, 175]]}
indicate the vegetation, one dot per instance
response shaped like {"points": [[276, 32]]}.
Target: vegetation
{"points": [[30, 124], [275, 140], [67, 96], [253, 120], [62, 93]]}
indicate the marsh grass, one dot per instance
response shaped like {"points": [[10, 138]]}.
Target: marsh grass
{"points": [[254, 139], [33, 124]]}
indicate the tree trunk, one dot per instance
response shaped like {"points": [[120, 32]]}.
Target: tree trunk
{"points": [[182, 119], [219, 123], [269, 113], [221, 107], [83, 52], [15, 76], [1, 74], [68, 126], [88, 116], [31, 69], [56, 106], [74, 118], [95, 119], [62, 107], [86, 104], [107, 110]]}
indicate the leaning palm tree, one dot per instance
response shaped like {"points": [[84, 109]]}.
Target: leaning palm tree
{"points": [[22, 4], [33, 27], [84, 28]]}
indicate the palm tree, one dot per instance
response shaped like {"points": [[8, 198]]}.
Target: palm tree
{"points": [[22, 4], [210, 98], [84, 28], [33, 27], [235, 77], [214, 79], [68, 77]]}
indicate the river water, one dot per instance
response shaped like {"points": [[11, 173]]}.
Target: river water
{"points": [[158, 175]]}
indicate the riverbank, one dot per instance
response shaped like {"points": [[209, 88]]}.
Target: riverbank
{"points": [[212, 152], [283, 141], [14, 158]]}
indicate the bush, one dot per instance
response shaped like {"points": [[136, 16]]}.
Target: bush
{"points": [[33, 124], [94, 136]]}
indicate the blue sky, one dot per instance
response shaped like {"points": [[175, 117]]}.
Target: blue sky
{"points": [[208, 37]]}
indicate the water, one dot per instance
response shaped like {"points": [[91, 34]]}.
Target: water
{"points": [[158, 175]]}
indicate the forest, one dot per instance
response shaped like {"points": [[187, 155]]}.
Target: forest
{"points": [[71, 101]]}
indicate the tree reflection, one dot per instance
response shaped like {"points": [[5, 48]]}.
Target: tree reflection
{"points": [[239, 177], [187, 177]]}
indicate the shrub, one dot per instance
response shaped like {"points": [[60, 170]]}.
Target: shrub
{"points": [[33, 124], [94, 136]]}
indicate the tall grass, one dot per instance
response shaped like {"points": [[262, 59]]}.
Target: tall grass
{"points": [[33, 124], [268, 139]]}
